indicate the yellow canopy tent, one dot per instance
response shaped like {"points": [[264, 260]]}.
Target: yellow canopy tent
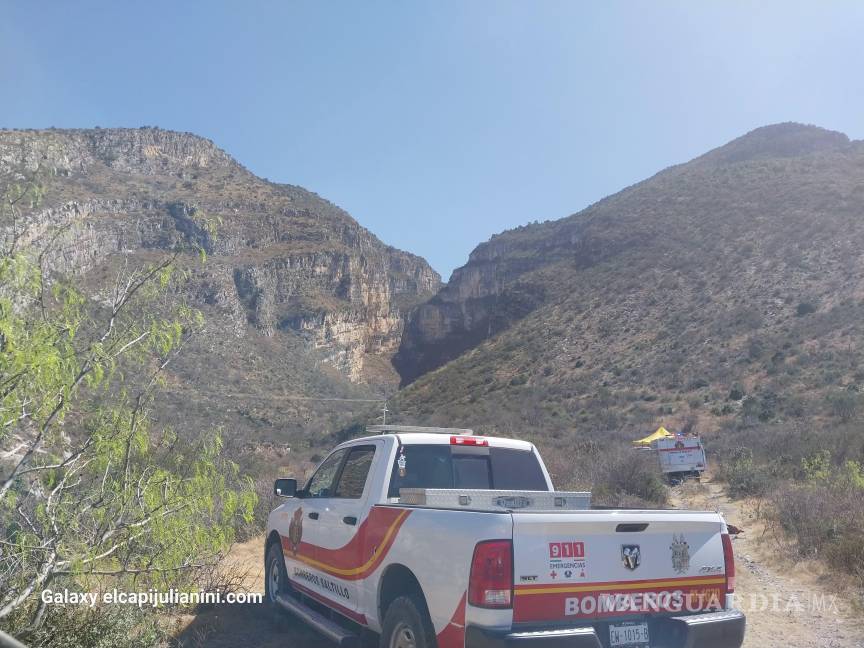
{"points": [[661, 433]]}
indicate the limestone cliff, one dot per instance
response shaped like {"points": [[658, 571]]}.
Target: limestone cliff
{"points": [[283, 264]]}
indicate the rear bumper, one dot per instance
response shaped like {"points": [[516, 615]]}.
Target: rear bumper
{"points": [[564, 638], [713, 630]]}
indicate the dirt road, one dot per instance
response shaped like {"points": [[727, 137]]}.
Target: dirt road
{"points": [[788, 603]]}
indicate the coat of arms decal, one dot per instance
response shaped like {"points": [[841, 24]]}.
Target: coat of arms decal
{"points": [[295, 530], [680, 554]]}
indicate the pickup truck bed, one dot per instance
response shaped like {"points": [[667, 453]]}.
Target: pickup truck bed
{"points": [[408, 536]]}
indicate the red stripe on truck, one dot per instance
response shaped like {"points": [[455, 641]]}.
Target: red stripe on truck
{"points": [[362, 554], [601, 600], [453, 636]]}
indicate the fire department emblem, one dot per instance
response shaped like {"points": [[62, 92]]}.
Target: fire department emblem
{"points": [[631, 556], [295, 530], [680, 554]]}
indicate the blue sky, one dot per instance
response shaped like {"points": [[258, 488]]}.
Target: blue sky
{"points": [[440, 123]]}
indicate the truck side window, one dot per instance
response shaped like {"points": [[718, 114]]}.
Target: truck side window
{"points": [[352, 481], [426, 466], [321, 484]]}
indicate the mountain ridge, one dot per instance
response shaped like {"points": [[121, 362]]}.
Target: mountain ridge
{"points": [[740, 268]]}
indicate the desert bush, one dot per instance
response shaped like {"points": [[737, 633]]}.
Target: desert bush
{"points": [[263, 488], [626, 474], [737, 392], [805, 308], [722, 410], [825, 514], [745, 476], [99, 627], [802, 511], [844, 404], [615, 474], [846, 554], [697, 383]]}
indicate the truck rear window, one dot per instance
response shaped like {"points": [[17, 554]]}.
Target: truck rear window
{"points": [[443, 466]]}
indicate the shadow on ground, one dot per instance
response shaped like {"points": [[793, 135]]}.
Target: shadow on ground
{"points": [[250, 625]]}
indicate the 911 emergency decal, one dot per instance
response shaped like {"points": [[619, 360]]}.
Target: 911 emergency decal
{"points": [[567, 561]]}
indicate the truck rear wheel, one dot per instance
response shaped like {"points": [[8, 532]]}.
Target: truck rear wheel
{"points": [[275, 574], [407, 624]]}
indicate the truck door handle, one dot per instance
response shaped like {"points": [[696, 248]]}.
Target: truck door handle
{"points": [[313, 515], [350, 519]]}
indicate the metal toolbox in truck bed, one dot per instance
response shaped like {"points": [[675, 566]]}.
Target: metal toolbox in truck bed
{"points": [[495, 500]]}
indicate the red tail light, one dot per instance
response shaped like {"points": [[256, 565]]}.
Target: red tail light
{"points": [[729, 560], [491, 582], [468, 441]]}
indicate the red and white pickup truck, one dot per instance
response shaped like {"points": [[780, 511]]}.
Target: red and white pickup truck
{"points": [[435, 537]]}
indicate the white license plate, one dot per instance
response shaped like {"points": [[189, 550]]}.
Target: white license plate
{"points": [[634, 634]]}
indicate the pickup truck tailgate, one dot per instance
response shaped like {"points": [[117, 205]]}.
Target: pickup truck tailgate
{"points": [[604, 564]]}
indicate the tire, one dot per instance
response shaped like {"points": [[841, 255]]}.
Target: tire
{"points": [[407, 624], [275, 574]]}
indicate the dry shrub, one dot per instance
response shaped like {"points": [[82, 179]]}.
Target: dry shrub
{"points": [[225, 577], [263, 487], [98, 627], [826, 521], [744, 476], [846, 553], [616, 475], [630, 478], [632, 474]]}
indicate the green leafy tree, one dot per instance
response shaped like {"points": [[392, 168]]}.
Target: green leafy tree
{"points": [[91, 492]]}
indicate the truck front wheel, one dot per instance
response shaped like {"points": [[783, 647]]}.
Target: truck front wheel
{"points": [[275, 574], [407, 624]]}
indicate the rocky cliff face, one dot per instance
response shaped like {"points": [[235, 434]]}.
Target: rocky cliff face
{"points": [[480, 300], [148, 151], [285, 269]]}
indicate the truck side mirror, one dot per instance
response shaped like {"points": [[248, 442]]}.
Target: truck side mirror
{"points": [[285, 487]]}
